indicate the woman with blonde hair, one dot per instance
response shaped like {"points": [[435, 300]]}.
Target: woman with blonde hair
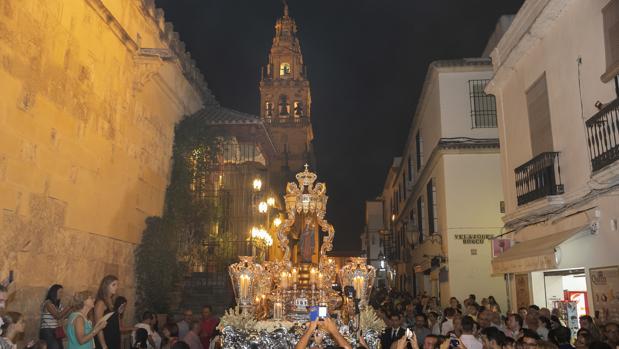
{"points": [[109, 338], [80, 331], [13, 325]]}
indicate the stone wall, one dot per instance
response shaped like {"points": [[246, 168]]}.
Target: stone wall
{"points": [[87, 115]]}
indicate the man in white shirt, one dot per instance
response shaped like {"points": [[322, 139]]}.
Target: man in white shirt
{"points": [[184, 325], [468, 338], [448, 325], [146, 324]]}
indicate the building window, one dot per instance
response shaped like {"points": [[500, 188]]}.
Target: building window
{"points": [[539, 117], [298, 109], [420, 218], [410, 169], [432, 207], [284, 107], [419, 146], [610, 15], [268, 109], [483, 106], [284, 70]]}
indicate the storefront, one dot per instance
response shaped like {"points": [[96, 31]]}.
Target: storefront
{"points": [[573, 266]]}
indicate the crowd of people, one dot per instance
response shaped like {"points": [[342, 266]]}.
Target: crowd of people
{"points": [[481, 325], [96, 320]]}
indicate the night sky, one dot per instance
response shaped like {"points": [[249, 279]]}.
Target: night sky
{"points": [[366, 61]]}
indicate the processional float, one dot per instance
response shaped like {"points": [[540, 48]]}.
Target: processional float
{"points": [[274, 298]]}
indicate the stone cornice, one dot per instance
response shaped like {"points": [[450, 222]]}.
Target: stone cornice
{"points": [[531, 23]]}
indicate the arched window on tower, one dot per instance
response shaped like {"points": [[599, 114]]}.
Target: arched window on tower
{"points": [[284, 107], [298, 109], [268, 109], [284, 70]]}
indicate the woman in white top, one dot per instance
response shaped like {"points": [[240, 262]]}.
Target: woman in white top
{"points": [[52, 314]]}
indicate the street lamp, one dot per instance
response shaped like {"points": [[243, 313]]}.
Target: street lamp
{"points": [[271, 201], [263, 207], [257, 184]]}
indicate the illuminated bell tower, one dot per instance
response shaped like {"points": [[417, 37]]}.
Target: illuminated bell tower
{"points": [[286, 103]]}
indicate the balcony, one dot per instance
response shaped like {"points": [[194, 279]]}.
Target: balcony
{"points": [[291, 121], [603, 136], [538, 178]]}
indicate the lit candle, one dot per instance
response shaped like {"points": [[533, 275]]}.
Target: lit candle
{"points": [[358, 283], [319, 279], [278, 310], [284, 280], [295, 275], [312, 279], [244, 286]]}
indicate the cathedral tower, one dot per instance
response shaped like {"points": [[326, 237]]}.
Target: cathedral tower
{"points": [[286, 103]]}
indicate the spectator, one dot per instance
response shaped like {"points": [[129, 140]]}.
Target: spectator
{"points": [[120, 305], [52, 311], [154, 325], [421, 328], [104, 305], [586, 322], [433, 323], [522, 311], [448, 324], [468, 334], [207, 326], [529, 339], [561, 337], [140, 339], [493, 305], [192, 338], [455, 304], [394, 331], [184, 326], [492, 338], [545, 312], [472, 309], [170, 335], [583, 339], [611, 333], [146, 325], [533, 323], [80, 331], [555, 322], [431, 342], [485, 319], [533, 308], [510, 343], [514, 326], [13, 325]]}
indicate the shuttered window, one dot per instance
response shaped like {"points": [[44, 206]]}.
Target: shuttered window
{"points": [[539, 117], [610, 14]]}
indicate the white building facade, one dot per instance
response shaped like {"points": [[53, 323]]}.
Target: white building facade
{"points": [[443, 197], [555, 82]]}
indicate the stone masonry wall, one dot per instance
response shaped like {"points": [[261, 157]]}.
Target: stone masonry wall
{"points": [[86, 131]]}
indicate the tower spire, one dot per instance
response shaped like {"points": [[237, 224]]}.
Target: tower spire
{"points": [[285, 8]]}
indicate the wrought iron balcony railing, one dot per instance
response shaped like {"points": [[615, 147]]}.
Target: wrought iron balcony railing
{"points": [[538, 178], [603, 136], [287, 121]]}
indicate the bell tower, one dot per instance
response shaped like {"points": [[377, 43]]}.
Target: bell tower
{"points": [[286, 103]]}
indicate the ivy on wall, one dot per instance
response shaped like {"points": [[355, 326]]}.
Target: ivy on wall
{"points": [[189, 211]]}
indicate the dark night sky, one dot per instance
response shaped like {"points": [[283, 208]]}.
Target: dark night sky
{"points": [[366, 60]]}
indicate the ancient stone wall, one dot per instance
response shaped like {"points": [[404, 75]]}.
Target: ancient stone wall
{"points": [[87, 115]]}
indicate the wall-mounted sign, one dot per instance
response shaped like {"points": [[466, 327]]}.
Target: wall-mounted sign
{"points": [[473, 239]]}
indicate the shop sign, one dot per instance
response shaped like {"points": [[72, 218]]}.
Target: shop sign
{"points": [[474, 239], [605, 292]]}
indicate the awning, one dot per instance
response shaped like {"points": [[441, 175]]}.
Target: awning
{"points": [[534, 254]]}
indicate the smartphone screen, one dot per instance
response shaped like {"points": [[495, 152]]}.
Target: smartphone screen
{"points": [[313, 315], [322, 312]]}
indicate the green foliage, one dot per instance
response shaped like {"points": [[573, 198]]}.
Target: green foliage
{"points": [[189, 210]]}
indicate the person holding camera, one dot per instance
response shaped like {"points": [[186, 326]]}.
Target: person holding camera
{"points": [[328, 326]]}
